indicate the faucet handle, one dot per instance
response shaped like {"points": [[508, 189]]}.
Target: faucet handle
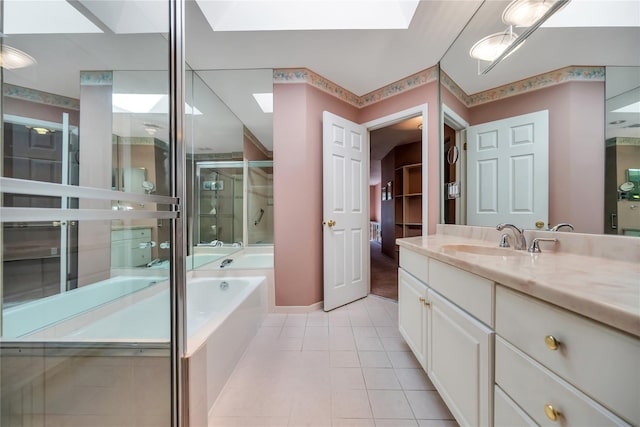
{"points": [[504, 241], [535, 244]]}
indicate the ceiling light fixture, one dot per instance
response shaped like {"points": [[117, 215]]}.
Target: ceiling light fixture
{"points": [[12, 58], [40, 130], [527, 13], [492, 46]]}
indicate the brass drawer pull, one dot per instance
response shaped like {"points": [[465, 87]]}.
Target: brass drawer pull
{"points": [[551, 412], [425, 302], [551, 342]]}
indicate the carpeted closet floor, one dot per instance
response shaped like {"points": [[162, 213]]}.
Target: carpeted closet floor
{"points": [[384, 273]]}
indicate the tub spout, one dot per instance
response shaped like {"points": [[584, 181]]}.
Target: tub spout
{"points": [[226, 262]]}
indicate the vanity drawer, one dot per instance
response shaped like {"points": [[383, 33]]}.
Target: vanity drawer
{"points": [[470, 292], [415, 264], [507, 413], [131, 233], [533, 388], [600, 361]]}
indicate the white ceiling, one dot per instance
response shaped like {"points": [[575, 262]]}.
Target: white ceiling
{"points": [[358, 60]]}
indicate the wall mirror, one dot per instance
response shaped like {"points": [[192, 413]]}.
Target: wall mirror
{"points": [[560, 69]]}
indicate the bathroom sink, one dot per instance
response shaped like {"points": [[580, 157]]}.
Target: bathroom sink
{"points": [[482, 250]]}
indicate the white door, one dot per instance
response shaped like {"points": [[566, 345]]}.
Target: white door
{"points": [[508, 171], [345, 211]]}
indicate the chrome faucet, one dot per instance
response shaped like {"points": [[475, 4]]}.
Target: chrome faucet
{"points": [[144, 245], [535, 245], [520, 243], [226, 262], [562, 224]]}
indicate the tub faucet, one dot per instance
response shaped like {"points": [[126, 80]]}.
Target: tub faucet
{"points": [[145, 245], [562, 224], [226, 262], [520, 243]]}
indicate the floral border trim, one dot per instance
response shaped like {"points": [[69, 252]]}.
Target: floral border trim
{"points": [[303, 75], [541, 81], [39, 97], [623, 140], [411, 82], [96, 78]]}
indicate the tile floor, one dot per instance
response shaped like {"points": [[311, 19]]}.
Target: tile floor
{"points": [[348, 367]]}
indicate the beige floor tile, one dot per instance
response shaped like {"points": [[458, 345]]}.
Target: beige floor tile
{"points": [[380, 379], [315, 343], [347, 379], [414, 379], [316, 331], [364, 331], [403, 359], [437, 423], [387, 331], [389, 404], [369, 344], [350, 404], [428, 405], [396, 423], [352, 422], [344, 359], [374, 359], [292, 332], [394, 344], [342, 342]]}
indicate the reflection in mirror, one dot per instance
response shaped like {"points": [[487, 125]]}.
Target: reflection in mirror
{"points": [[229, 163], [622, 168], [544, 76]]}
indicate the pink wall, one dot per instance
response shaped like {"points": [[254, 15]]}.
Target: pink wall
{"points": [[297, 133], [375, 200], [576, 147]]}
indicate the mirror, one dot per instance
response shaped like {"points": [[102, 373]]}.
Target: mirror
{"points": [[545, 73], [229, 163]]}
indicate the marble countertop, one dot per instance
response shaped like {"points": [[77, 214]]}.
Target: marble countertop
{"points": [[604, 290]]}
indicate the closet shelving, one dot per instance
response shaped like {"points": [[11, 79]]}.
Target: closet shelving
{"points": [[408, 200]]}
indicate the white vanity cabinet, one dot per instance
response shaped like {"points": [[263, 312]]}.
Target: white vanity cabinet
{"points": [[441, 325], [562, 368], [460, 361], [128, 247], [412, 320]]}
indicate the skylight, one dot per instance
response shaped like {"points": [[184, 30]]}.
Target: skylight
{"points": [[597, 13], [146, 103], [265, 101], [631, 108], [44, 17], [265, 15]]}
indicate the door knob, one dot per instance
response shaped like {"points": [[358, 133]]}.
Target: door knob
{"points": [[331, 223]]}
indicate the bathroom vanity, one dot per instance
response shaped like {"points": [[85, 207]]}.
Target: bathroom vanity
{"points": [[513, 338]]}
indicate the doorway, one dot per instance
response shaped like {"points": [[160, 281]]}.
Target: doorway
{"points": [[396, 183]]}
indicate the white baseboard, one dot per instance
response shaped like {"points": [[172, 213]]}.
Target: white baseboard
{"points": [[297, 309]]}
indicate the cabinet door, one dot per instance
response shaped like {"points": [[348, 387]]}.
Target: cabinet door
{"points": [[461, 361], [413, 314]]}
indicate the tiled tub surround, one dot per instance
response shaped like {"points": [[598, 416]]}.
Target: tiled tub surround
{"points": [[222, 317], [556, 334]]}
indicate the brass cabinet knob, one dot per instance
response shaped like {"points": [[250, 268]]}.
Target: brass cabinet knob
{"points": [[551, 412], [331, 223], [551, 342]]}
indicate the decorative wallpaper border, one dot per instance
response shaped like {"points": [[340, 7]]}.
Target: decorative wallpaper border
{"points": [[623, 140], [568, 74], [39, 97], [303, 75], [96, 78]]}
